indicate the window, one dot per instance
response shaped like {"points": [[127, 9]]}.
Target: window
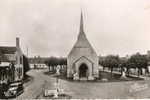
{"points": [[21, 60]]}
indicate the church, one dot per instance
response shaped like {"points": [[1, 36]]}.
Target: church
{"points": [[82, 61]]}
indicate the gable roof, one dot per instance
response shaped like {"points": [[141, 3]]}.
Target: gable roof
{"points": [[7, 50], [4, 50], [85, 58]]}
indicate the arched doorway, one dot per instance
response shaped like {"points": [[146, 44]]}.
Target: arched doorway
{"points": [[83, 70]]}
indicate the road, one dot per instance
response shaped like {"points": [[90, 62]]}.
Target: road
{"points": [[35, 88], [115, 90]]}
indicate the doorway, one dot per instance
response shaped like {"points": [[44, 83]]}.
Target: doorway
{"points": [[83, 70]]}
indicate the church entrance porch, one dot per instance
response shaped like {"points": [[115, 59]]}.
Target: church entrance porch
{"points": [[83, 71]]}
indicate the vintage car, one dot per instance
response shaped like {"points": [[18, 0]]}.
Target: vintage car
{"points": [[14, 90]]}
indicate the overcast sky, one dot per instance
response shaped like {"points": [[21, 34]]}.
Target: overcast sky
{"points": [[50, 27]]}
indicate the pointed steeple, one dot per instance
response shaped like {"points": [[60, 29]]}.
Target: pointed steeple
{"points": [[82, 41], [81, 30], [81, 24]]}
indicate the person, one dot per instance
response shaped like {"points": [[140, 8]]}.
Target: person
{"points": [[75, 76]]}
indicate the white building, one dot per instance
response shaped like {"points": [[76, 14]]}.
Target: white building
{"points": [[82, 61]]}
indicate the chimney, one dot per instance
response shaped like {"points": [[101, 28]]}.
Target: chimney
{"points": [[148, 53], [17, 42]]}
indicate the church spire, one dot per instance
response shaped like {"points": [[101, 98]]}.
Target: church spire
{"points": [[81, 30], [81, 24]]}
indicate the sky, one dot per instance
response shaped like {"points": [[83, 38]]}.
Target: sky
{"points": [[50, 27]]}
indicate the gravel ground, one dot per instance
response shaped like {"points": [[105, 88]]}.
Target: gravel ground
{"points": [[34, 88], [103, 90]]}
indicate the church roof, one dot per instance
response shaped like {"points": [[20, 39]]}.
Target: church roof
{"points": [[82, 41]]}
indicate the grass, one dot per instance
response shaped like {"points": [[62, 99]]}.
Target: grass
{"points": [[116, 77], [103, 75]]}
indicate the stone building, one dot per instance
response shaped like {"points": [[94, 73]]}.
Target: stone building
{"points": [[13, 57], [82, 61]]}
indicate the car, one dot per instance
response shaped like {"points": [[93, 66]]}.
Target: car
{"points": [[15, 89]]}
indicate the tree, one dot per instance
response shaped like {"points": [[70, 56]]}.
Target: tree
{"points": [[122, 64], [47, 63], [111, 61], [138, 61], [102, 62], [52, 62]]}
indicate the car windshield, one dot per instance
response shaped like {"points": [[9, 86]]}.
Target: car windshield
{"points": [[12, 88], [15, 84]]}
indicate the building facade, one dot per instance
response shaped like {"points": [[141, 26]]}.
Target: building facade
{"points": [[13, 57], [82, 61]]}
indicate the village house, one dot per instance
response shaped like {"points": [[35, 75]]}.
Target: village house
{"points": [[38, 62], [11, 63]]}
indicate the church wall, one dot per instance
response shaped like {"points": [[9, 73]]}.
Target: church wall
{"points": [[79, 52], [82, 48]]}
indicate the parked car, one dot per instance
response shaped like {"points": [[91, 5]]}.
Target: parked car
{"points": [[14, 90]]}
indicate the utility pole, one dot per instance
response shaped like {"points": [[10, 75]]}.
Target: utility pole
{"points": [[27, 51]]}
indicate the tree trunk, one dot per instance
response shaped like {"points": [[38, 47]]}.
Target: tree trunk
{"points": [[121, 70], [128, 71], [141, 71], [111, 71], [52, 68], [138, 72], [147, 71], [49, 68]]}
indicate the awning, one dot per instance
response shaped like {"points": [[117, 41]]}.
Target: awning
{"points": [[4, 64]]}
